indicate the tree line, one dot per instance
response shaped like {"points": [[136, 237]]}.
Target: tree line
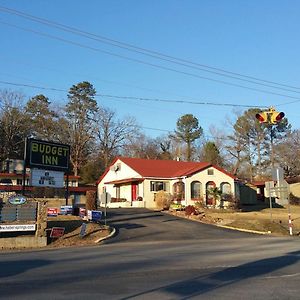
{"points": [[96, 136]]}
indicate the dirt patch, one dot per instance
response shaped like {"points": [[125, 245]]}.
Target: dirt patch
{"points": [[73, 227], [260, 225], [257, 218]]}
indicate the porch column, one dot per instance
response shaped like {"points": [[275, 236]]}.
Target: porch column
{"points": [[185, 191]]}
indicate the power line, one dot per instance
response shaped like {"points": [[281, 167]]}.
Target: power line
{"points": [[147, 63], [171, 131], [151, 53], [156, 129], [137, 98], [180, 101]]}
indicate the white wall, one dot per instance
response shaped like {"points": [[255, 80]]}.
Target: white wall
{"points": [[218, 177], [124, 172]]}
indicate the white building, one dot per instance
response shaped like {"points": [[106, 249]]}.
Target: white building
{"points": [[134, 182]]}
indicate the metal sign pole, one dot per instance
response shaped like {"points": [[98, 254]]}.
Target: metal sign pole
{"points": [[105, 207], [270, 186], [270, 198], [67, 189], [24, 168], [289, 214]]}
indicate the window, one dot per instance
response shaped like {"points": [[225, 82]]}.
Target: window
{"points": [[179, 191], [19, 181], [156, 186], [210, 172], [225, 188], [195, 190]]}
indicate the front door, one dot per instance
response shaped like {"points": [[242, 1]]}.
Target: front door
{"points": [[134, 191]]}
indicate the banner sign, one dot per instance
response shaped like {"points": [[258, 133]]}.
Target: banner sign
{"points": [[94, 215], [66, 210], [17, 227], [57, 232], [47, 155], [52, 211], [82, 212]]}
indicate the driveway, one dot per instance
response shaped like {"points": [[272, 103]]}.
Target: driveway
{"points": [[142, 225]]}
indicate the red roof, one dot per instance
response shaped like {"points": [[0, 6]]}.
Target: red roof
{"points": [[164, 168]]}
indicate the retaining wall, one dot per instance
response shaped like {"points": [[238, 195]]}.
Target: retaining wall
{"points": [[23, 242]]}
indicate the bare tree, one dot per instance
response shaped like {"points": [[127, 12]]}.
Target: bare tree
{"points": [[142, 146], [286, 152], [113, 134], [14, 126]]}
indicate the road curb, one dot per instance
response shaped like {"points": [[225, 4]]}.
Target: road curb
{"points": [[245, 230], [226, 227], [106, 237]]}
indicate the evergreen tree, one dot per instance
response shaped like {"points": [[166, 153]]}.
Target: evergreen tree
{"points": [[210, 153], [187, 131], [42, 118], [80, 115]]}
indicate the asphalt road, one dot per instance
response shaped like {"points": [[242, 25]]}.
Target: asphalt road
{"points": [[158, 256]]}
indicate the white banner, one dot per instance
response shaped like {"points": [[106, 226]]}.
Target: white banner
{"points": [[47, 178], [17, 227]]}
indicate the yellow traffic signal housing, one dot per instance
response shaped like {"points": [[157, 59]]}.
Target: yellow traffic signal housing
{"points": [[276, 117], [262, 117]]}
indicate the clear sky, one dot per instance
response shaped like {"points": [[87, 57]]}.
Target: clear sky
{"points": [[257, 38]]}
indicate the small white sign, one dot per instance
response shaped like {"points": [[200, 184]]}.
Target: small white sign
{"points": [[47, 178], [269, 184], [17, 227]]}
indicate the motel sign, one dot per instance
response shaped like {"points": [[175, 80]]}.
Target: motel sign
{"points": [[47, 155]]}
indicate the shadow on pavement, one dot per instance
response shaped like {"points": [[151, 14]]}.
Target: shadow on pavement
{"points": [[11, 268], [203, 284]]}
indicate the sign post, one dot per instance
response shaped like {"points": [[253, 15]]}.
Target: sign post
{"points": [[269, 186], [105, 208]]}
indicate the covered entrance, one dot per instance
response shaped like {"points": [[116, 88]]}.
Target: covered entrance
{"points": [[210, 198]]}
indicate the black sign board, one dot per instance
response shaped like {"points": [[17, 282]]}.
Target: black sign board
{"points": [[47, 155]]}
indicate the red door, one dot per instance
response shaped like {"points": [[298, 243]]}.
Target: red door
{"points": [[134, 190]]}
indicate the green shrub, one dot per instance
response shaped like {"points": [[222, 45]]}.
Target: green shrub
{"points": [[199, 205]]}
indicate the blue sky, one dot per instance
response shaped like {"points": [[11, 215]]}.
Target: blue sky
{"points": [[257, 38]]}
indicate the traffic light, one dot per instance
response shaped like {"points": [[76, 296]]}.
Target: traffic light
{"points": [[276, 117], [262, 117]]}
